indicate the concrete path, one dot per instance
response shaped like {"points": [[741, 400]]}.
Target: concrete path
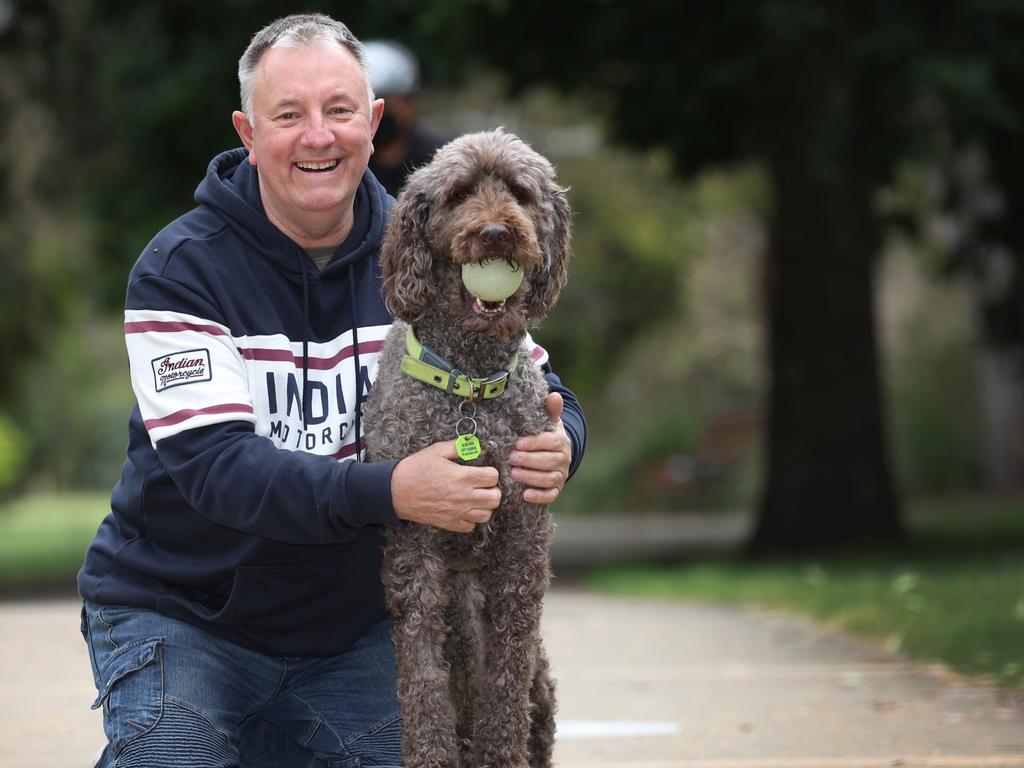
{"points": [[641, 685], [730, 688]]}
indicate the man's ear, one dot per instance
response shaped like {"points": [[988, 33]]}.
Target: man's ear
{"points": [[244, 130], [376, 112]]}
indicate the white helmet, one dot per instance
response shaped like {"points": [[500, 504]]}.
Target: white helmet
{"points": [[391, 67]]}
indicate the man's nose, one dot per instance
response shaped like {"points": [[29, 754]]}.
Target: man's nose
{"points": [[317, 134]]}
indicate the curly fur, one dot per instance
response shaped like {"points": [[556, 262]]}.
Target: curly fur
{"points": [[474, 685]]}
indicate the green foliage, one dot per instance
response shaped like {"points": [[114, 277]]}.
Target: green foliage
{"points": [[956, 595], [631, 248], [75, 400], [623, 456], [935, 412], [43, 538], [653, 418], [13, 453]]}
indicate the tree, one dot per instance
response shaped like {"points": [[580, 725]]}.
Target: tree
{"points": [[828, 97]]}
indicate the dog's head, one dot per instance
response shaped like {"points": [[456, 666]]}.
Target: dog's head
{"points": [[484, 196]]}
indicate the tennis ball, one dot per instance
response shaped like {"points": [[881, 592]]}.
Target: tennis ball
{"points": [[493, 279]]}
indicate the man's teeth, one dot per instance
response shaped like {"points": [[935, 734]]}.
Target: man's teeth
{"points": [[324, 166]]}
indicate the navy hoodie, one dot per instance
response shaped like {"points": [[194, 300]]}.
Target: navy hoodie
{"points": [[242, 506]]}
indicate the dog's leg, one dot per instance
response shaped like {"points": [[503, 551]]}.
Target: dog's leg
{"points": [[414, 578], [543, 705], [463, 651], [514, 590]]}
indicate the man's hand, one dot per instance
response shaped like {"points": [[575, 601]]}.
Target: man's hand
{"points": [[429, 487], [541, 462]]}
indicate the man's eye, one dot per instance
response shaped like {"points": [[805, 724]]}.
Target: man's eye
{"points": [[287, 116], [340, 111]]}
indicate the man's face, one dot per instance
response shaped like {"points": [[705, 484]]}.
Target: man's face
{"points": [[311, 137]]}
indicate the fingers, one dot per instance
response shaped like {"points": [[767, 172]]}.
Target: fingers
{"points": [[434, 489], [537, 496], [482, 477], [478, 516], [443, 450], [541, 462], [467, 521], [554, 404], [541, 487], [538, 479], [544, 461], [556, 440], [485, 501], [485, 498], [430, 488]]}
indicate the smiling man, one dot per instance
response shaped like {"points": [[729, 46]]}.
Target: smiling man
{"points": [[309, 129], [232, 600]]}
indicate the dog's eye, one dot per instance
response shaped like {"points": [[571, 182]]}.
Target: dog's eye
{"points": [[458, 194], [521, 194]]}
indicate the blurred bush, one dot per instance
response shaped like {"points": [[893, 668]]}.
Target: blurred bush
{"points": [[13, 454], [75, 399], [931, 351], [675, 419]]}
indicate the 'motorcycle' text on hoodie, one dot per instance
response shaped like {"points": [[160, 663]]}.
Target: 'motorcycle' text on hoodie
{"points": [[242, 506]]}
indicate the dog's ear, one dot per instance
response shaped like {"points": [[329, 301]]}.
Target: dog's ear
{"points": [[556, 250], [405, 259]]}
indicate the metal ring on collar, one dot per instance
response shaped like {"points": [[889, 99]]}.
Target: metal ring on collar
{"points": [[471, 420]]}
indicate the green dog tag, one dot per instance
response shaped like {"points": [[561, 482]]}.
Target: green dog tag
{"points": [[467, 447]]}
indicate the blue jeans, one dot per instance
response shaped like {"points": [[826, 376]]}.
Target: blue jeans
{"points": [[174, 695]]}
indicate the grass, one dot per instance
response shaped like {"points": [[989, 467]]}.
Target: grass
{"points": [[43, 538], [954, 595]]}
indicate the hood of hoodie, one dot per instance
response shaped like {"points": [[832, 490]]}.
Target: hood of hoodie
{"points": [[231, 187]]}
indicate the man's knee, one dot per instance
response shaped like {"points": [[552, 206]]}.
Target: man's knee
{"points": [[380, 745], [142, 662], [180, 737]]}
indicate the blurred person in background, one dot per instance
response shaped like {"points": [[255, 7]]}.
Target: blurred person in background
{"points": [[402, 143], [232, 603]]}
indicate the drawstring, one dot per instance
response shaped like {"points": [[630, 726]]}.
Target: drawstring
{"points": [[305, 338], [355, 346], [355, 353]]}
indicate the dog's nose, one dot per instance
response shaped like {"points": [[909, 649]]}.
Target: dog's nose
{"points": [[495, 234]]}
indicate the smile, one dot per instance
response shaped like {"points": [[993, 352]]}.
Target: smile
{"points": [[326, 165]]}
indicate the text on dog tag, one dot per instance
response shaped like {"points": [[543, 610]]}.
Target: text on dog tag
{"points": [[467, 447]]}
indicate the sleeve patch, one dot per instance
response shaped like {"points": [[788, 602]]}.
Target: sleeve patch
{"points": [[179, 368]]}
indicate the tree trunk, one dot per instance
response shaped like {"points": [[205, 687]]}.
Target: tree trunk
{"points": [[827, 483]]}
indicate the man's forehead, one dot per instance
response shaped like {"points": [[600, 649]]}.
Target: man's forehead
{"points": [[284, 73]]}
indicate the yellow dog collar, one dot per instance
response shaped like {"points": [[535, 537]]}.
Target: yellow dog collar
{"points": [[423, 364]]}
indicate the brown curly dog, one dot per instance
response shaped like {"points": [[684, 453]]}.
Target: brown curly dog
{"points": [[473, 679]]}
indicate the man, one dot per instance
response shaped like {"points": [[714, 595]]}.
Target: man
{"points": [[401, 143], [233, 608]]}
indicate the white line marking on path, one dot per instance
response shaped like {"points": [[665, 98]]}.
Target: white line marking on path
{"points": [[602, 729]]}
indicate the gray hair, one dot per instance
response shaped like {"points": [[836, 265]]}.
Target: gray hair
{"points": [[299, 30]]}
